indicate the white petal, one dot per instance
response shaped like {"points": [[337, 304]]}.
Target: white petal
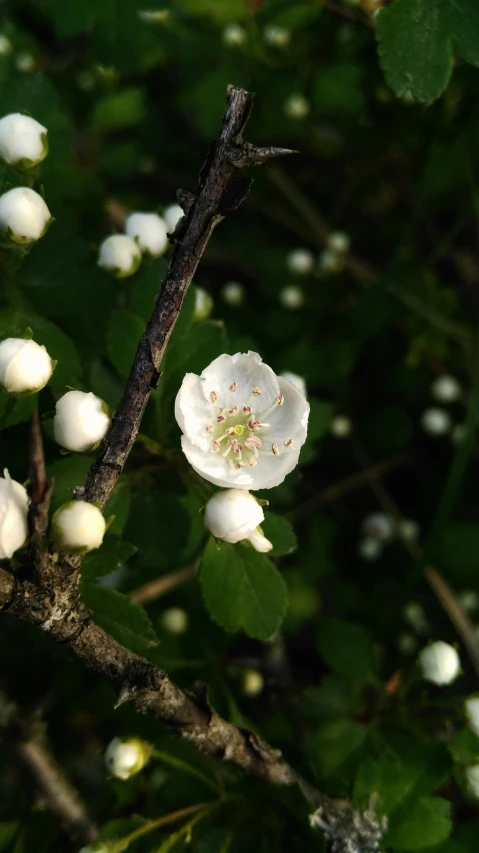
{"points": [[259, 542], [291, 419], [193, 413], [248, 372], [215, 469]]}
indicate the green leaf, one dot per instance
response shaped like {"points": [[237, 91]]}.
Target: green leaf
{"points": [[243, 589], [464, 24], [110, 556], [120, 109], [123, 336], [348, 649], [334, 745], [419, 824], [68, 472], [159, 525], [464, 747], [124, 620], [390, 777], [279, 531], [147, 286], [119, 506], [414, 43]]}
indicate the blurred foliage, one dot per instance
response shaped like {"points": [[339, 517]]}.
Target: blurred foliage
{"points": [[131, 97]]}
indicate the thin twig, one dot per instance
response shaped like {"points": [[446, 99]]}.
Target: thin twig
{"points": [[456, 613], [160, 586], [40, 495]]}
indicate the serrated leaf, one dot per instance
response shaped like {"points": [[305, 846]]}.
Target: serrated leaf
{"points": [[124, 332], [124, 620], [243, 589], [334, 744], [279, 531], [68, 472], [348, 649], [112, 554], [419, 824]]}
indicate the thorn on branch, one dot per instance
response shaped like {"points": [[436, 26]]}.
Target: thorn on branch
{"points": [[245, 154]]}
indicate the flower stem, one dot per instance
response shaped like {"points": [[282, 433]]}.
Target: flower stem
{"points": [[182, 766]]}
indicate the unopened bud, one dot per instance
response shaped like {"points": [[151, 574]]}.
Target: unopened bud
{"points": [[175, 620], [370, 548], [471, 711], [233, 515], [172, 215], [5, 45], [25, 366], [338, 242], [471, 775], [234, 35], [253, 682], [125, 758], [119, 255], [276, 36], [341, 426], [233, 293], [300, 261], [150, 232], [378, 525], [78, 527], [81, 421], [291, 297], [24, 216], [439, 663], [297, 107], [23, 141], [436, 421], [203, 304], [13, 516], [446, 389]]}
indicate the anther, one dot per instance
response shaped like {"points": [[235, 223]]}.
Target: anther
{"points": [[233, 386], [213, 397], [289, 442], [216, 447], [240, 464], [234, 410], [247, 410], [209, 428], [256, 392], [274, 448], [220, 419], [252, 462], [280, 400]]}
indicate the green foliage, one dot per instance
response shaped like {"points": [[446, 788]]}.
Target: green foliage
{"points": [[126, 621], [348, 649]]}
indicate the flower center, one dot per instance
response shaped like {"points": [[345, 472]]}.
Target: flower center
{"points": [[241, 435]]}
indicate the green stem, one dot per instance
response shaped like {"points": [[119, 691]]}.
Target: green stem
{"points": [[164, 820], [182, 766]]}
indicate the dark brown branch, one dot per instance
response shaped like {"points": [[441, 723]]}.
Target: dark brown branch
{"points": [[40, 494], [31, 745]]}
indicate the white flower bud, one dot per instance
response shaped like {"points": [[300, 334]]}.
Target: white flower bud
{"points": [[150, 231], [439, 663], [338, 242], [370, 548], [5, 45], [24, 216], [296, 380], [291, 297], [234, 35], [172, 215], [78, 527], [13, 516], [436, 421], [125, 758], [175, 620], [25, 366], [469, 600], [23, 141], [300, 261], [203, 304], [409, 530], [253, 682], [80, 421], [25, 62], [444, 389], [378, 525], [471, 711], [415, 616], [297, 107], [119, 255], [471, 774], [330, 263], [276, 36], [233, 293], [341, 426], [233, 515]]}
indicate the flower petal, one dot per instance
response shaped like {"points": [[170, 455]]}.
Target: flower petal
{"points": [[193, 412], [215, 469], [248, 372], [291, 419]]}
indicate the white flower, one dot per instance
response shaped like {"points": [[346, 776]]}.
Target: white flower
{"points": [[253, 682], [25, 62], [297, 107], [233, 515], [234, 35], [242, 426], [80, 421], [436, 421], [341, 426], [378, 525], [370, 548], [295, 380], [120, 255], [471, 710], [291, 297], [5, 45], [233, 293], [25, 366], [444, 389], [124, 758], [276, 36], [338, 242], [78, 527], [13, 516], [150, 231], [172, 215], [439, 663], [23, 141], [24, 216], [203, 304], [472, 779], [175, 620], [300, 261]]}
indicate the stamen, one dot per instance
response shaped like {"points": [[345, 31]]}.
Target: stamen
{"points": [[253, 441], [220, 419], [247, 410], [216, 447], [289, 442], [209, 428], [234, 410], [275, 448], [233, 386], [213, 397], [228, 449], [240, 464], [255, 424], [256, 392], [238, 447], [280, 400], [252, 463]]}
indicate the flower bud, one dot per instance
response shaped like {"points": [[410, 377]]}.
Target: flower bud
{"points": [[253, 682], [25, 366], [78, 527], [25, 62], [295, 380], [175, 620], [370, 548], [471, 775], [125, 758], [233, 293], [330, 263], [341, 426], [276, 36], [297, 107], [5, 45], [234, 35], [338, 242], [13, 516], [300, 261], [233, 515], [415, 616], [378, 525], [203, 305], [119, 255], [436, 421], [291, 297], [409, 530], [471, 711], [172, 215], [439, 663], [150, 231], [469, 600], [24, 216], [23, 141], [80, 421], [444, 389]]}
